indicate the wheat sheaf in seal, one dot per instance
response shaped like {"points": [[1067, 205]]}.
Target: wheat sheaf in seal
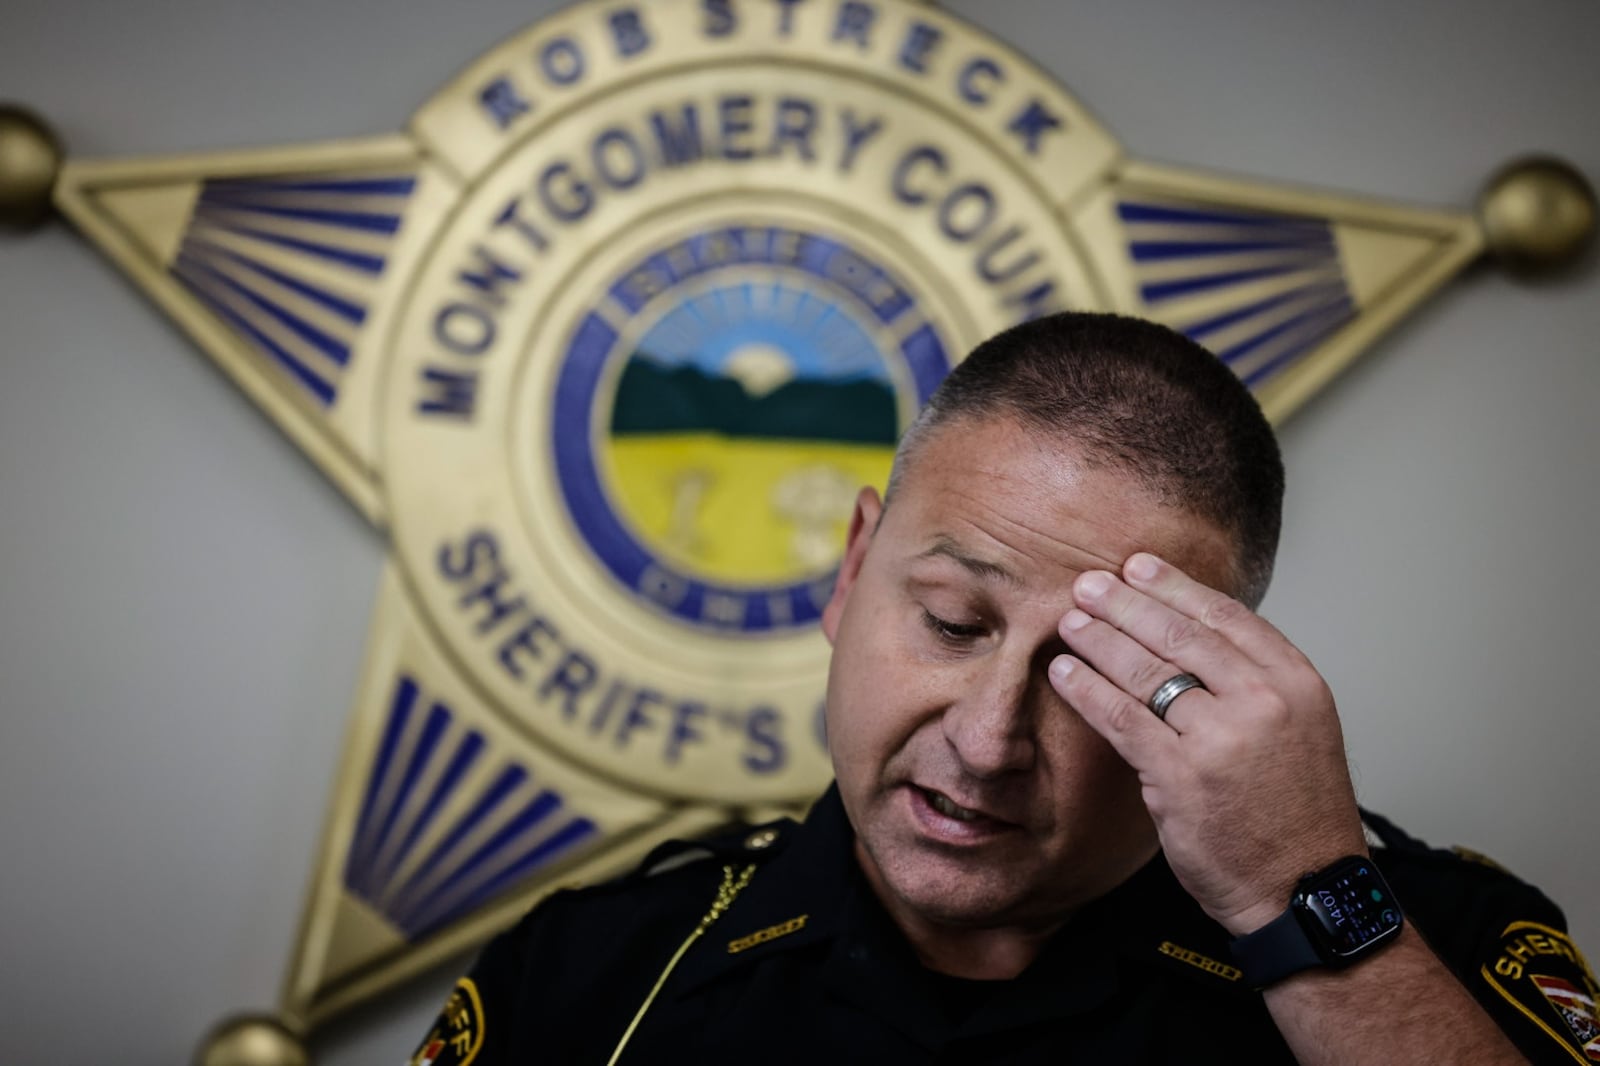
{"points": [[606, 341]]}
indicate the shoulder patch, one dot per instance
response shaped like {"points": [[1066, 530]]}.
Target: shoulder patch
{"points": [[1540, 972], [457, 1034]]}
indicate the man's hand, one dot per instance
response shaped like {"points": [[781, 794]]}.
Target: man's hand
{"points": [[1246, 779]]}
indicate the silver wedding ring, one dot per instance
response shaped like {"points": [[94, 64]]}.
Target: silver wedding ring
{"points": [[1171, 689]]}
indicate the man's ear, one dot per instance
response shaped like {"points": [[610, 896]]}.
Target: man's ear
{"points": [[863, 523]]}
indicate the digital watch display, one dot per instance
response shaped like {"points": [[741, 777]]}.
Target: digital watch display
{"points": [[1336, 916], [1351, 906]]}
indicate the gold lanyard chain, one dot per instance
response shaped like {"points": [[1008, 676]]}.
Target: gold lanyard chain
{"points": [[732, 885]]}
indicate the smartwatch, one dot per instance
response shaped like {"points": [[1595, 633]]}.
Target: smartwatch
{"points": [[1336, 917]]}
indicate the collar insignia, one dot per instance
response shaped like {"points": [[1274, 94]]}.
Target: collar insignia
{"points": [[771, 932], [1201, 962]]}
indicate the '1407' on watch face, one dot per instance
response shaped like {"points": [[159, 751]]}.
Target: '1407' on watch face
{"points": [[1350, 908]]}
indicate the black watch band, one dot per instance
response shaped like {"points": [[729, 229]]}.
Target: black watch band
{"points": [[1336, 917], [1275, 951]]}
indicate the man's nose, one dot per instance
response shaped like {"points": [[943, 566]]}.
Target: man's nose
{"points": [[991, 727]]}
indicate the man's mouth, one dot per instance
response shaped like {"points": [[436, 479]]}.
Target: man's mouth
{"points": [[945, 818], [950, 808]]}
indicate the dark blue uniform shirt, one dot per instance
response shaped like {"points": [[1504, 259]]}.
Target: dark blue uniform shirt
{"points": [[805, 967]]}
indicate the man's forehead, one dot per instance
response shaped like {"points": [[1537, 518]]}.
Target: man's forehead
{"points": [[1008, 561], [988, 493], [984, 455], [946, 546], [999, 442]]}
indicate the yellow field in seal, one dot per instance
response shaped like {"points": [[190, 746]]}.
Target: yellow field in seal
{"points": [[711, 260]]}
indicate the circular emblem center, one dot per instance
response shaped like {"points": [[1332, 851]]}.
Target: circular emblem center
{"points": [[716, 416]]}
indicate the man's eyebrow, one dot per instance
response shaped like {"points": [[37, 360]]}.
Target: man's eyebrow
{"points": [[984, 569]]}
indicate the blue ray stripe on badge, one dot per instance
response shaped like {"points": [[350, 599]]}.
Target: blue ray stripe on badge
{"points": [[438, 719], [506, 831], [396, 186], [503, 785], [319, 386], [1284, 307], [405, 698], [466, 754], [264, 246], [1145, 212], [1160, 251], [360, 221], [1235, 353], [1157, 291], [367, 196], [363, 261], [510, 848], [568, 837], [1336, 317], [331, 347], [1199, 331], [347, 309], [536, 810]]}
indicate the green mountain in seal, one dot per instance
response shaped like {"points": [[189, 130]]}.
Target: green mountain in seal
{"points": [[655, 398]]}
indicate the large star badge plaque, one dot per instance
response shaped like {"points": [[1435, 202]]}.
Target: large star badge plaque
{"points": [[603, 344]]}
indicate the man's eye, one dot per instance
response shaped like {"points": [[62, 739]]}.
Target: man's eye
{"points": [[955, 632]]}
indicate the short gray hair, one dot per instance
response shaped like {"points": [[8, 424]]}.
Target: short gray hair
{"points": [[1139, 398]]}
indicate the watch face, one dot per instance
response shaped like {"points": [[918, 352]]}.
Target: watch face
{"points": [[1350, 908]]}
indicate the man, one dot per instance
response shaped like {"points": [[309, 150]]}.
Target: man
{"points": [[1078, 784]]}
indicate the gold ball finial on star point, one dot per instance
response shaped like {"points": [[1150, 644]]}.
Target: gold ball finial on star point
{"points": [[1538, 215], [252, 1040], [30, 160]]}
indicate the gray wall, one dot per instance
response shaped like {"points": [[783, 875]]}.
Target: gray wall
{"points": [[183, 602]]}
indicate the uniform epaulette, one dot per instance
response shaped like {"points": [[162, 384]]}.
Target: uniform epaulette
{"points": [[1405, 847], [1392, 836], [737, 843]]}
